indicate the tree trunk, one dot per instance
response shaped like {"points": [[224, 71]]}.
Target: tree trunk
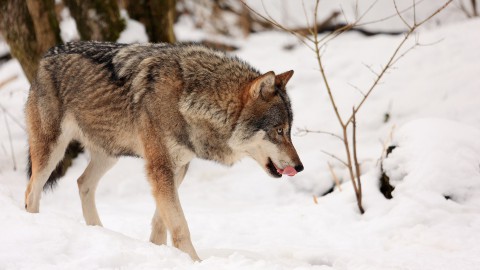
{"points": [[30, 28], [96, 19], [18, 31], [474, 8], [158, 17], [45, 24]]}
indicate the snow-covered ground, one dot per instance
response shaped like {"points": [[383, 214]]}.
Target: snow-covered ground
{"points": [[241, 219]]}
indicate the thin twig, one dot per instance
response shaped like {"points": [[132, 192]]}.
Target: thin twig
{"points": [[11, 143], [462, 8], [15, 120], [400, 15], [357, 88], [306, 17], [8, 80], [384, 150], [278, 25], [385, 144], [434, 13], [389, 16], [356, 9], [320, 64], [366, 11], [4, 150], [403, 54], [334, 176], [344, 15], [414, 13], [302, 131], [335, 157], [370, 69], [393, 58], [380, 76]]}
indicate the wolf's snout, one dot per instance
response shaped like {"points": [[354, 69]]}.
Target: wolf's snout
{"points": [[299, 168]]}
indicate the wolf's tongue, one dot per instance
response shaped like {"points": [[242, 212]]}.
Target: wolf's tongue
{"points": [[290, 171]]}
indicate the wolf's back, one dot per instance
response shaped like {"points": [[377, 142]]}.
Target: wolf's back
{"points": [[87, 48]]}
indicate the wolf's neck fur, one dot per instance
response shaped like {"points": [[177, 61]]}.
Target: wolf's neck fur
{"points": [[212, 120], [212, 100]]}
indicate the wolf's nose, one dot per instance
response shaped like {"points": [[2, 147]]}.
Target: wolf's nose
{"points": [[299, 168]]}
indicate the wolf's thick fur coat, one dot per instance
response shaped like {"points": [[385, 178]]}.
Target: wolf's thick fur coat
{"points": [[164, 103]]}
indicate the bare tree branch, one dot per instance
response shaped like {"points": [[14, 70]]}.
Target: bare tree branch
{"points": [[393, 58], [355, 159], [317, 45], [335, 157]]}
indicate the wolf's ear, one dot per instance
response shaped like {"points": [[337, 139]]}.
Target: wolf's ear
{"points": [[263, 86], [282, 79]]}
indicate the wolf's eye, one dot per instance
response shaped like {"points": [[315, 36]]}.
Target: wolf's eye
{"points": [[280, 131]]}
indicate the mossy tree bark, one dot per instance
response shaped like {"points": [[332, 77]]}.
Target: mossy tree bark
{"points": [[158, 17], [30, 29], [96, 19]]}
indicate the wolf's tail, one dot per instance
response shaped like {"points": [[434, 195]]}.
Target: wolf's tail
{"points": [[73, 149]]}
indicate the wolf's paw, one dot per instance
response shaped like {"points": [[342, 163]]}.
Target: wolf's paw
{"points": [[31, 206], [32, 210]]}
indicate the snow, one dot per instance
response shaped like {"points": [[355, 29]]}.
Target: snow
{"points": [[134, 31], [240, 218], [436, 158], [68, 26]]}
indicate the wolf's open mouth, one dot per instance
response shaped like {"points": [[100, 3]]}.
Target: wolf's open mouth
{"points": [[273, 169], [277, 172]]}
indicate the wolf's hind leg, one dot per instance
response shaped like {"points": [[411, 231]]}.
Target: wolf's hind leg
{"points": [[159, 230], [99, 164], [45, 156]]}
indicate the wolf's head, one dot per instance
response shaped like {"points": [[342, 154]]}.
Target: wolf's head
{"points": [[264, 127]]}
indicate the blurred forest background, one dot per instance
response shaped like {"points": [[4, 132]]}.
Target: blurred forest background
{"points": [[31, 27]]}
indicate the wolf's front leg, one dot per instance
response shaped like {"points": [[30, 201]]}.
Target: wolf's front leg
{"points": [[169, 210], [161, 174], [159, 230]]}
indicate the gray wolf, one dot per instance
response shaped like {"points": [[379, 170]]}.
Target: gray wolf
{"points": [[165, 103]]}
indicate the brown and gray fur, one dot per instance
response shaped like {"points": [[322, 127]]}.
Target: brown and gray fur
{"points": [[164, 103]]}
